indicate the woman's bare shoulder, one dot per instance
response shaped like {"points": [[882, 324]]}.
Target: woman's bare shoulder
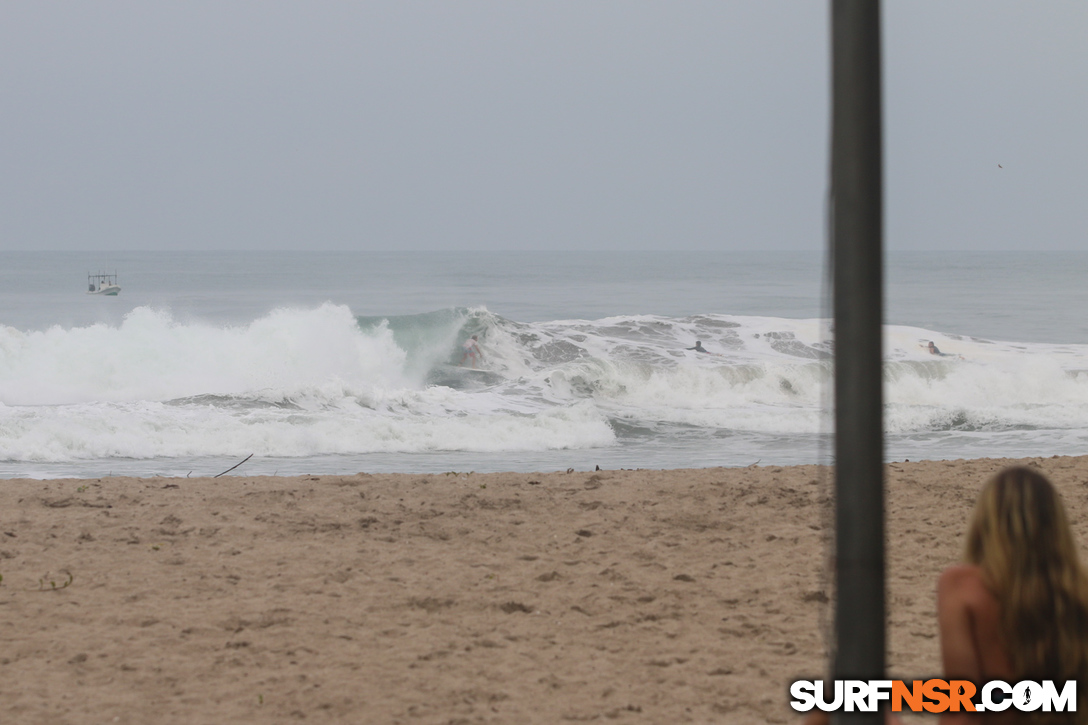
{"points": [[961, 575], [965, 583]]}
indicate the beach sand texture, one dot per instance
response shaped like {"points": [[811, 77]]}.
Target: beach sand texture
{"points": [[627, 596]]}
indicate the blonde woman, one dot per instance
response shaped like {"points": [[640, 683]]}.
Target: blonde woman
{"points": [[1017, 609]]}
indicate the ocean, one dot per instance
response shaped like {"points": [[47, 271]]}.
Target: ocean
{"points": [[347, 362]]}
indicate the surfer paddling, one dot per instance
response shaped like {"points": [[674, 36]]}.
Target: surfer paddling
{"points": [[934, 350], [471, 348], [699, 348]]}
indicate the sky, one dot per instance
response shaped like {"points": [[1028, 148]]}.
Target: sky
{"points": [[526, 125]]}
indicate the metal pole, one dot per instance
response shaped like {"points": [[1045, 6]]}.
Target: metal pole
{"points": [[857, 238]]}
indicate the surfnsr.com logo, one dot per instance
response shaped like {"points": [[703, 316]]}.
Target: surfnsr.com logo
{"points": [[933, 696]]}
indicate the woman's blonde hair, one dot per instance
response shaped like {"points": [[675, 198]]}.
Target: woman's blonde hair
{"points": [[1020, 537]]}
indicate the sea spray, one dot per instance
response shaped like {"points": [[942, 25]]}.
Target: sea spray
{"points": [[320, 381], [151, 356]]}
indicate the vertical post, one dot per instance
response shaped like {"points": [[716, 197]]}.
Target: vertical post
{"points": [[857, 238]]}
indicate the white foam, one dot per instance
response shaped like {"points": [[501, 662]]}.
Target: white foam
{"points": [[151, 430], [771, 375], [150, 356], [313, 382]]}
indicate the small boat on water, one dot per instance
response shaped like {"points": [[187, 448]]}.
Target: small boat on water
{"points": [[103, 284]]}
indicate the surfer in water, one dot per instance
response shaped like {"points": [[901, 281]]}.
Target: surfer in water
{"points": [[698, 347], [471, 352], [934, 350]]}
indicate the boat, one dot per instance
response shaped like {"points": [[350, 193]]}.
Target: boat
{"points": [[103, 284]]}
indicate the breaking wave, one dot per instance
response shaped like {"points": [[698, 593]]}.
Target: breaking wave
{"points": [[303, 382]]}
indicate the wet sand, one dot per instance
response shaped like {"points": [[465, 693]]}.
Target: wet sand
{"points": [[626, 596]]}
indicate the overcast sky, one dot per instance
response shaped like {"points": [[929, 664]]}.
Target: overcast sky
{"points": [[518, 124]]}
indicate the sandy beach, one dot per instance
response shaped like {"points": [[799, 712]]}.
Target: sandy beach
{"points": [[629, 596]]}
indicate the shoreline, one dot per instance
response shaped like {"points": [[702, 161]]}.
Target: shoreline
{"points": [[646, 595]]}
